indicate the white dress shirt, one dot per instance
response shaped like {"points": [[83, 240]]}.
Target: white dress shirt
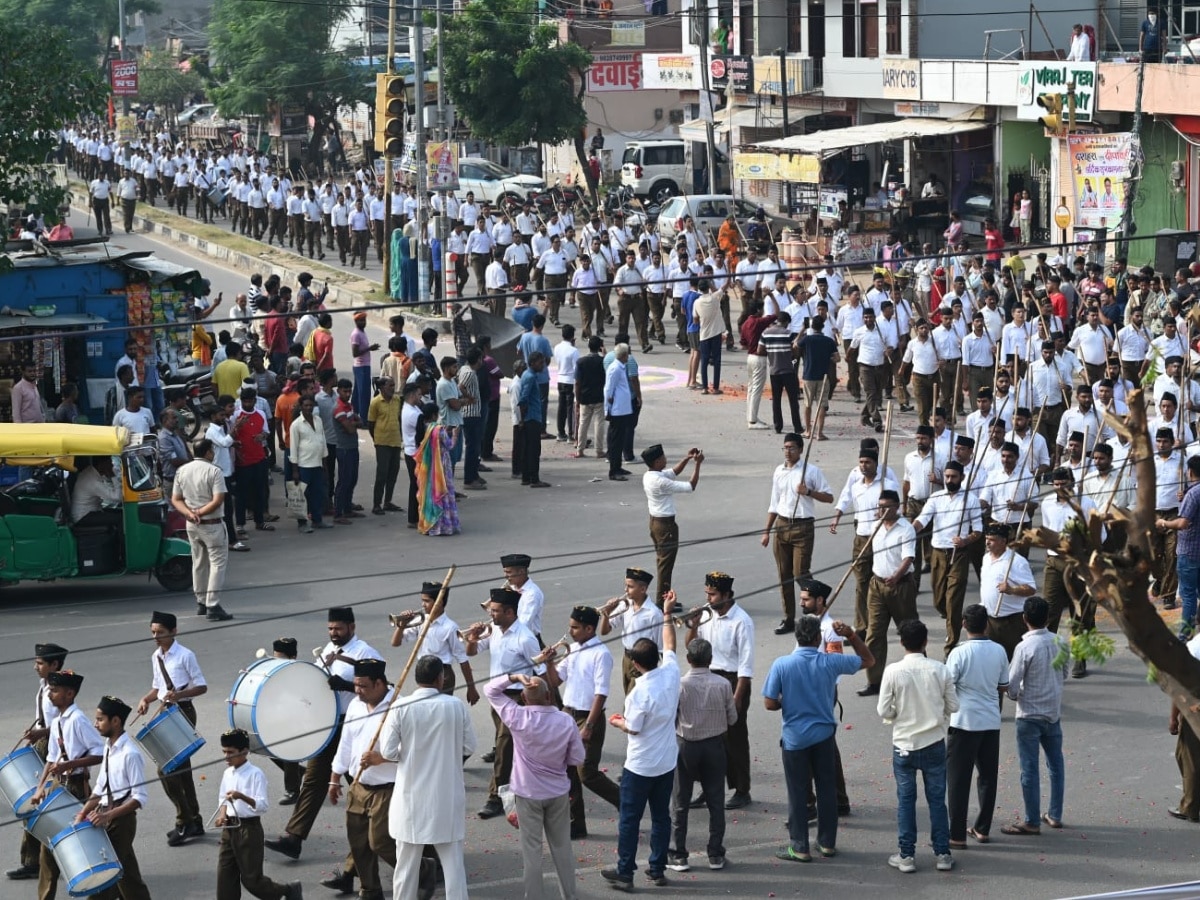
{"points": [[1056, 514], [355, 648], [1010, 566], [585, 672], [441, 640], [1002, 488], [891, 546], [180, 664], [529, 610], [862, 499], [358, 733], [732, 639], [636, 623], [511, 651], [246, 779], [661, 488], [785, 502], [650, 711], [73, 736], [122, 773], [946, 512]]}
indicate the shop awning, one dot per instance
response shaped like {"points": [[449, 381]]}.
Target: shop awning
{"points": [[746, 117], [159, 269], [827, 143], [66, 320]]}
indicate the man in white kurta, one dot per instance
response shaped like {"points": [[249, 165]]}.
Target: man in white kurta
{"points": [[428, 735]]}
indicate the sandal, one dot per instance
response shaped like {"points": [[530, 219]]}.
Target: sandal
{"points": [[978, 835], [1053, 823], [1020, 828]]}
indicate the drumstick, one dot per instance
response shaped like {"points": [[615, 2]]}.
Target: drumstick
{"points": [[22, 738], [438, 606]]}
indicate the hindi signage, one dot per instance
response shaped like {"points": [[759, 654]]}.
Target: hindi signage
{"points": [[670, 71], [1099, 170], [124, 75], [612, 72]]}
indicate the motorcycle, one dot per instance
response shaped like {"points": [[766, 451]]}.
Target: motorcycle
{"points": [[196, 385]]}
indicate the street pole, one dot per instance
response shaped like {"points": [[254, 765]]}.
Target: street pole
{"points": [[423, 261], [701, 13], [1135, 162], [442, 220], [121, 41], [783, 88], [387, 155]]}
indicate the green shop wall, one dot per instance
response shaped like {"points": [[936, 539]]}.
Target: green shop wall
{"points": [[1158, 205], [1019, 140]]}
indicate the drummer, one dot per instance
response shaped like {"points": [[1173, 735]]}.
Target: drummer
{"points": [[75, 746], [337, 657], [293, 772], [442, 639], [175, 679], [47, 658], [119, 793]]}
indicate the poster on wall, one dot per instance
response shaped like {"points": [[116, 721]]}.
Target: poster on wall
{"points": [[1099, 169]]}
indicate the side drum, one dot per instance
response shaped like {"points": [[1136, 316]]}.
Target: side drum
{"points": [[54, 814], [86, 859], [19, 775], [287, 708], [170, 739]]}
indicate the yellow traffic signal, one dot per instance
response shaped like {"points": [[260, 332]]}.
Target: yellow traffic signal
{"points": [[389, 114], [1053, 104]]}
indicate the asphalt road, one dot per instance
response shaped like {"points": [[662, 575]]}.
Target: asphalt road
{"points": [[1121, 775]]}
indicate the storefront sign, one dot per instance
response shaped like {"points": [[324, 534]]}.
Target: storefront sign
{"points": [[611, 72], [917, 108], [738, 69], [670, 71], [442, 160], [828, 201], [769, 167], [1036, 78], [628, 34], [901, 79], [1099, 169], [124, 74], [767, 80]]}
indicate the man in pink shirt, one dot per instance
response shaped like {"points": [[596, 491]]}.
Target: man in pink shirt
{"points": [[361, 348], [546, 742], [27, 405]]}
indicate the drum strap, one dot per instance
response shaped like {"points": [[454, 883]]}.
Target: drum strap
{"points": [[162, 667], [107, 775], [41, 712], [62, 742]]}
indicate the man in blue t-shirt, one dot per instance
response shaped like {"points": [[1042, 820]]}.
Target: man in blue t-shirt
{"points": [[535, 342], [819, 352], [686, 304], [802, 685]]}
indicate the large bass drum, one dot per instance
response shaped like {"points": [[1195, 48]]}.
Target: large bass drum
{"points": [[287, 708]]}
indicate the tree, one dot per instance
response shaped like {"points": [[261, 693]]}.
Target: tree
{"points": [[42, 89], [162, 83], [87, 27], [511, 79], [279, 53]]}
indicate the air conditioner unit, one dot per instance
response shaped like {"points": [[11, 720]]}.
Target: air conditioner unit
{"points": [[675, 117]]}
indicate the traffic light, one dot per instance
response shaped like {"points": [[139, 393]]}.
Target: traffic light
{"points": [[1053, 104], [389, 114]]}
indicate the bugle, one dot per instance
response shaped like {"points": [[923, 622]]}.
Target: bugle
{"points": [[612, 604], [406, 618], [701, 614], [473, 631], [552, 654]]}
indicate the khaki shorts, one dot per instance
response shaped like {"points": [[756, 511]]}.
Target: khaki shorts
{"points": [[816, 392], [694, 340]]}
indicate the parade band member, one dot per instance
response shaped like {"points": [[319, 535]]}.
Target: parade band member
{"points": [[661, 483], [75, 746], [47, 658], [442, 639], [243, 796], [372, 777], [639, 619], [293, 772], [429, 736], [119, 793], [175, 679]]}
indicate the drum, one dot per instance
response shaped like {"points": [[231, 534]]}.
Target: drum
{"points": [[55, 813], [86, 859], [287, 708], [216, 195], [170, 739], [20, 772]]}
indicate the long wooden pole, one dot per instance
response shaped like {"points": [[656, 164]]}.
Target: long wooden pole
{"points": [[807, 453], [865, 547], [438, 606], [1021, 518]]}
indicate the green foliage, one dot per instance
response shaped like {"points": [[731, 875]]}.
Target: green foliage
{"points": [[509, 77], [42, 88], [162, 83], [262, 53], [87, 26], [1090, 645]]}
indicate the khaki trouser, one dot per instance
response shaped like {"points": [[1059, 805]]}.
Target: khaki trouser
{"points": [[48, 866], [664, 532], [1006, 631], [949, 584], [240, 864], [180, 786], [862, 580], [633, 304], [852, 383], [210, 557], [657, 306], [793, 558], [912, 509], [551, 818], [591, 418], [587, 774], [502, 766], [950, 388], [1162, 549], [1187, 756], [922, 390], [367, 832], [629, 673], [313, 788], [1054, 589], [121, 832], [886, 605], [978, 377], [589, 310], [756, 380]]}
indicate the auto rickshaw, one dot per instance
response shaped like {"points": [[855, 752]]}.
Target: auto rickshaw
{"points": [[38, 539]]}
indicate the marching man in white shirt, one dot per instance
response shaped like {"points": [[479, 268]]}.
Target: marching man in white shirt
{"points": [[639, 619], [892, 596]]}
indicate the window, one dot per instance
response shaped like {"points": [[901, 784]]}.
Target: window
{"points": [[795, 14], [869, 29], [849, 29], [892, 26], [631, 155]]}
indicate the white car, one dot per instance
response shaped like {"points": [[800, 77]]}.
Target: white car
{"points": [[491, 182], [708, 211]]}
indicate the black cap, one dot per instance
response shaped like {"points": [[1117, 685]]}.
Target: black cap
{"points": [[1047, 345], [166, 619], [236, 738], [953, 466], [432, 589], [50, 652], [66, 678], [505, 595], [516, 560], [1083, 389], [963, 441], [639, 575], [113, 706], [926, 430], [585, 615], [1168, 395], [815, 587], [1165, 433], [286, 646], [370, 668], [651, 453], [720, 581], [341, 614], [996, 529]]}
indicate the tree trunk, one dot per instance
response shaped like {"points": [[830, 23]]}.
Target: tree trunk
{"points": [[1120, 580], [581, 150]]}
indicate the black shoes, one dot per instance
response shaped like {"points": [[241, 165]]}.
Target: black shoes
{"points": [[217, 614], [489, 757], [286, 844], [289, 799], [22, 873], [787, 626], [342, 882], [738, 800], [700, 802], [871, 690], [491, 809], [578, 832]]}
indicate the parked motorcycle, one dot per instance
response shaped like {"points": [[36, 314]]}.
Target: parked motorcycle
{"points": [[196, 385]]}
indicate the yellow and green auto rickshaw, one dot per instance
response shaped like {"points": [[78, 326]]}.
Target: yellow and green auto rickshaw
{"points": [[44, 533]]}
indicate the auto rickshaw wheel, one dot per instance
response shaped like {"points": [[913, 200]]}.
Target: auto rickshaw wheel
{"points": [[175, 574]]}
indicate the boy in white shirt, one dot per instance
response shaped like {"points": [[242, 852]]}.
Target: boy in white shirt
{"points": [[566, 355]]}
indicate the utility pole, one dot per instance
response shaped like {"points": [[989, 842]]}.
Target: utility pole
{"points": [[701, 34], [1128, 226], [783, 92], [387, 155], [423, 262], [121, 43], [442, 220]]}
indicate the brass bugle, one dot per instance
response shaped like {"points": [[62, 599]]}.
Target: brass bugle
{"points": [[406, 618], [700, 613], [612, 617], [471, 632], [552, 652]]}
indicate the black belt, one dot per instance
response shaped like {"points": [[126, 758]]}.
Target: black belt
{"points": [[1174, 510], [375, 787], [663, 518], [1015, 615], [210, 522], [116, 801], [786, 519]]}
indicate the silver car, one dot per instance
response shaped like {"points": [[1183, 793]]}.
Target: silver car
{"points": [[493, 183], [709, 211]]}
